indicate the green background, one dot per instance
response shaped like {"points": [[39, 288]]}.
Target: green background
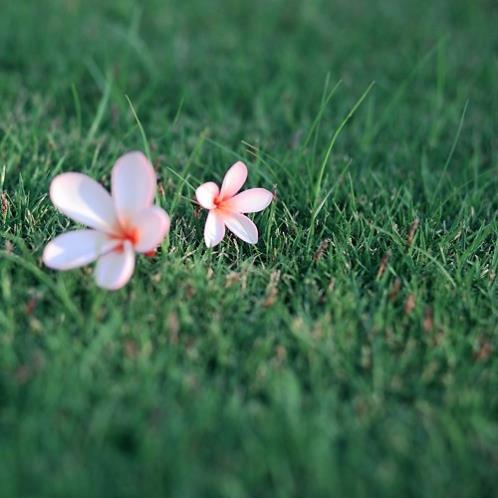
{"points": [[353, 351]]}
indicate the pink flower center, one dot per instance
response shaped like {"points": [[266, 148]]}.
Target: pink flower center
{"points": [[130, 234]]}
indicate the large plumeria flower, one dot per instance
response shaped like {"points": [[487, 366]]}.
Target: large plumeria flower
{"points": [[119, 226], [227, 207]]}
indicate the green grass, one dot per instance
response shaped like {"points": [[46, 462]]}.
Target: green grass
{"points": [[352, 352]]}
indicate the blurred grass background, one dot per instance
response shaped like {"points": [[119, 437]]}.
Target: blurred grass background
{"points": [[353, 351]]}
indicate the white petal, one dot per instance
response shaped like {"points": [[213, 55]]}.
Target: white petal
{"points": [[114, 269], [249, 201], [214, 230], [133, 185], [152, 225], [241, 226], [84, 200], [235, 177], [76, 248], [206, 194]]}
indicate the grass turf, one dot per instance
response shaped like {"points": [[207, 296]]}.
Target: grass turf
{"points": [[352, 352]]}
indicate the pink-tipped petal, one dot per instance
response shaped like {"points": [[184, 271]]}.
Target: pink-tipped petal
{"points": [[206, 194], [249, 201], [214, 230], [84, 200], [114, 269], [241, 226], [152, 225], [76, 248], [133, 185], [235, 177]]}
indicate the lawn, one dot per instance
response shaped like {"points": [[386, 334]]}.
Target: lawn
{"points": [[353, 351]]}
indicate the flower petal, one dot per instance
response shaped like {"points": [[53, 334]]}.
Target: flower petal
{"points": [[241, 226], [115, 268], [76, 248], [133, 185], [206, 194], [152, 225], [249, 201], [84, 200], [214, 230], [235, 177]]}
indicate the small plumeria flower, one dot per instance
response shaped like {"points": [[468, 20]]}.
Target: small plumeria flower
{"points": [[119, 226], [227, 207]]}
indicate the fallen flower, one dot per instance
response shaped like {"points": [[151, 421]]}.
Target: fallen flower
{"points": [[227, 207], [119, 226]]}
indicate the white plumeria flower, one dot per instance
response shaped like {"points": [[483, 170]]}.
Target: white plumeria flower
{"points": [[119, 226], [227, 207]]}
